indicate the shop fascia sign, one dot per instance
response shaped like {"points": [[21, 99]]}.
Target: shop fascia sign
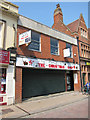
{"points": [[46, 64], [4, 57], [87, 63], [25, 38], [66, 52]]}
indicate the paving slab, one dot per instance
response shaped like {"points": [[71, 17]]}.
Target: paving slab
{"points": [[42, 103], [12, 112]]}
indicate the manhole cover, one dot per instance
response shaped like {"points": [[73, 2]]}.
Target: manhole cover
{"points": [[5, 111]]}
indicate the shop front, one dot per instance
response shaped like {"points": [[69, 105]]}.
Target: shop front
{"points": [[44, 77], [4, 63], [7, 82]]}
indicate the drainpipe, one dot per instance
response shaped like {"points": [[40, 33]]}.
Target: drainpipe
{"points": [[79, 61], [14, 47], [14, 35]]}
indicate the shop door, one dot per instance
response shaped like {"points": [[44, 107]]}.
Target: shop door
{"points": [[70, 82], [38, 82]]}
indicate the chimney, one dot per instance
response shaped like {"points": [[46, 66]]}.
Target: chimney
{"points": [[58, 14]]}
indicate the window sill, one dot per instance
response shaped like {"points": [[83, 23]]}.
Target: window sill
{"points": [[55, 54], [34, 50]]}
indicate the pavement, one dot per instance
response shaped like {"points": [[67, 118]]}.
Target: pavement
{"points": [[40, 104]]}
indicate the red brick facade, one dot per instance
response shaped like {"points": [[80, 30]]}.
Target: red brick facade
{"points": [[18, 85], [45, 49], [76, 29], [46, 54]]}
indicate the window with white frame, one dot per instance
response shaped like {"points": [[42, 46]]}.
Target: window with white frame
{"points": [[70, 47], [35, 41], [83, 33], [54, 46]]}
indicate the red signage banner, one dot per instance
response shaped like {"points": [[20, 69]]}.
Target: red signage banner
{"points": [[4, 57]]}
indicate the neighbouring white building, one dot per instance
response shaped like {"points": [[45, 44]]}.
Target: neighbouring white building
{"points": [[8, 31]]}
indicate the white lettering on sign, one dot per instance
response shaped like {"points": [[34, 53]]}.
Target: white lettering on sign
{"points": [[40, 63]]}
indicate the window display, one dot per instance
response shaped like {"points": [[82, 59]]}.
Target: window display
{"points": [[2, 80]]}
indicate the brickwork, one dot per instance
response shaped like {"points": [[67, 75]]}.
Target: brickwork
{"points": [[45, 49], [46, 53], [77, 87], [18, 85], [76, 28]]}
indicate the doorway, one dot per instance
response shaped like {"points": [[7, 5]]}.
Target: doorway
{"points": [[70, 82]]}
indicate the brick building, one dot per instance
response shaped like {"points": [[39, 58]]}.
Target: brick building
{"points": [[48, 64], [76, 29], [79, 29]]}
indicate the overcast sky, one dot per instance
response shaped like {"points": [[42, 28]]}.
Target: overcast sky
{"points": [[43, 11]]}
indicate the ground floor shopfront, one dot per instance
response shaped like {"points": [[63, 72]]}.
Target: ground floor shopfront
{"points": [[37, 77], [85, 72], [7, 81]]}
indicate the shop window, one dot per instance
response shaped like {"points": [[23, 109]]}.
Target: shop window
{"points": [[35, 41], [2, 80], [88, 69], [54, 46], [70, 47]]}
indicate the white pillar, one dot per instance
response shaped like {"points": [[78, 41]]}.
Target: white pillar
{"points": [[10, 85]]}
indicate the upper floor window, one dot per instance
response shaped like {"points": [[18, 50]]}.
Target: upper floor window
{"points": [[70, 47], [83, 33], [35, 41], [54, 46]]}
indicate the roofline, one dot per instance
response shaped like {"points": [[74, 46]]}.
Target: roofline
{"points": [[42, 29], [47, 26], [72, 22], [10, 3]]}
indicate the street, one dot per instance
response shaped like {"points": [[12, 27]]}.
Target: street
{"points": [[74, 110], [60, 105]]}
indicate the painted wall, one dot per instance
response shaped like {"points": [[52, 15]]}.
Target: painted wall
{"points": [[10, 85]]}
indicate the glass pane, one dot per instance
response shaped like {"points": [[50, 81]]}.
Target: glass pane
{"points": [[54, 50], [2, 80], [68, 45], [34, 43], [34, 46], [54, 42], [35, 36]]}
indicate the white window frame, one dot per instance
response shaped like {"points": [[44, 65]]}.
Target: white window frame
{"points": [[38, 42], [54, 46]]}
